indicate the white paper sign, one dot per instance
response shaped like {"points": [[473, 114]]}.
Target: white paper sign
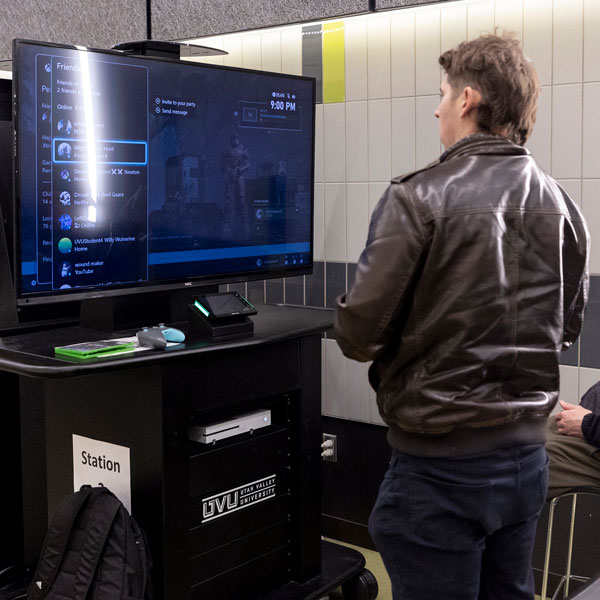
{"points": [[100, 463]]}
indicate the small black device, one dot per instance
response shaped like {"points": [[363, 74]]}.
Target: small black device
{"points": [[224, 314], [223, 306]]}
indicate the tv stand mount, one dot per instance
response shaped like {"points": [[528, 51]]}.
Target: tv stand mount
{"points": [[167, 49]]}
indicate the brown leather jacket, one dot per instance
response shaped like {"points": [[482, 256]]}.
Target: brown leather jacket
{"points": [[473, 280]]}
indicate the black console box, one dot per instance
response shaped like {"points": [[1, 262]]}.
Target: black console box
{"points": [[226, 327]]}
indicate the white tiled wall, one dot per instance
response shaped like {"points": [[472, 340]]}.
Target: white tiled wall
{"points": [[402, 51], [453, 23], [378, 57], [427, 50], [508, 16], [480, 17], [591, 44], [319, 175], [427, 142], [569, 379], [567, 41], [335, 384], [386, 127], [357, 141], [319, 223], [540, 142], [404, 138], [537, 42], [591, 130], [356, 59], [357, 389], [566, 130], [573, 188], [233, 46], [252, 51], [335, 222], [357, 216], [590, 201], [271, 51], [380, 139], [291, 51]]}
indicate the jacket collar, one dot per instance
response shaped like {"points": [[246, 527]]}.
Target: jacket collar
{"points": [[482, 143], [476, 143]]}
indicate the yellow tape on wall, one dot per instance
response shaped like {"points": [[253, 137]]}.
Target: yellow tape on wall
{"points": [[334, 72]]}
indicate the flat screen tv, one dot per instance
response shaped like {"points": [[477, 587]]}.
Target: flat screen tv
{"points": [[135, 173]]}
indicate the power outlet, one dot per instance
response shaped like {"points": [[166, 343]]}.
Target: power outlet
{"points": [[329, 447]]}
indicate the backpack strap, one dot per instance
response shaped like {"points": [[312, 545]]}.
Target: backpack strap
{"points": [[55, 543], [104, 512], [145, 560]]}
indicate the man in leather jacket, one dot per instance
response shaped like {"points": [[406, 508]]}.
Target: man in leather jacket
{"points": [[473, 280]]}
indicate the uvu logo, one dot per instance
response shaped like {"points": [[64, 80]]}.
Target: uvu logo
{"points": [[213, 507], [238, 498]]}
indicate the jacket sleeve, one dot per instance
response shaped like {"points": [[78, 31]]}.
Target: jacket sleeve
{"points": [[590, 427], [591, 399], [576, 244], [367, 317]]}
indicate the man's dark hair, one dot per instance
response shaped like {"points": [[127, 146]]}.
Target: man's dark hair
{"points": [[507, 81]]}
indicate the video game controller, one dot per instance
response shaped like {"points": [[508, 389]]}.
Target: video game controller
{"points": [[158, 336]]}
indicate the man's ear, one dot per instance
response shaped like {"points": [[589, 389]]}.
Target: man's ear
{"points": [[471, 99]]}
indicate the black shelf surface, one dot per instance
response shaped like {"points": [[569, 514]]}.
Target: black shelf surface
{"points": [[32, 354]]}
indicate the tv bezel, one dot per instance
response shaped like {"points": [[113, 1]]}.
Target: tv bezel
{"points": [[70, 295]]}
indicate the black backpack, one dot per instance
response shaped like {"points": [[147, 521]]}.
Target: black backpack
{"points": [[93, 551]]}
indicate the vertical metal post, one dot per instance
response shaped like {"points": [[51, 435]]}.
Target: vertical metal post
{"points": [[553, 504], [570, 554]]}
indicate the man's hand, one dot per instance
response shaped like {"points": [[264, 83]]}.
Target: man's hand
{"points": [[568, 422]]}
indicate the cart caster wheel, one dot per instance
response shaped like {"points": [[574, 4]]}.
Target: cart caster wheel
{"points": [[362, 587]]}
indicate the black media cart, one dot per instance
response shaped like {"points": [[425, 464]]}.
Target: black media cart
{"points": [[146, 402]]}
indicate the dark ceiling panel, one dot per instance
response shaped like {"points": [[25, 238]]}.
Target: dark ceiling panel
{"points": [[187, 19], [93, 23]]}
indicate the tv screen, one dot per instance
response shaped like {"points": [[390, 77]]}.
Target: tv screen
{"points": [[133, 172]]}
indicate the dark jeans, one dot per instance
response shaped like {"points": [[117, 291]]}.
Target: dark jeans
{"points": [[461, 528]]}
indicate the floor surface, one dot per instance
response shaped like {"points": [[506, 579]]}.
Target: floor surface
{"points": [[375, 565]]}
